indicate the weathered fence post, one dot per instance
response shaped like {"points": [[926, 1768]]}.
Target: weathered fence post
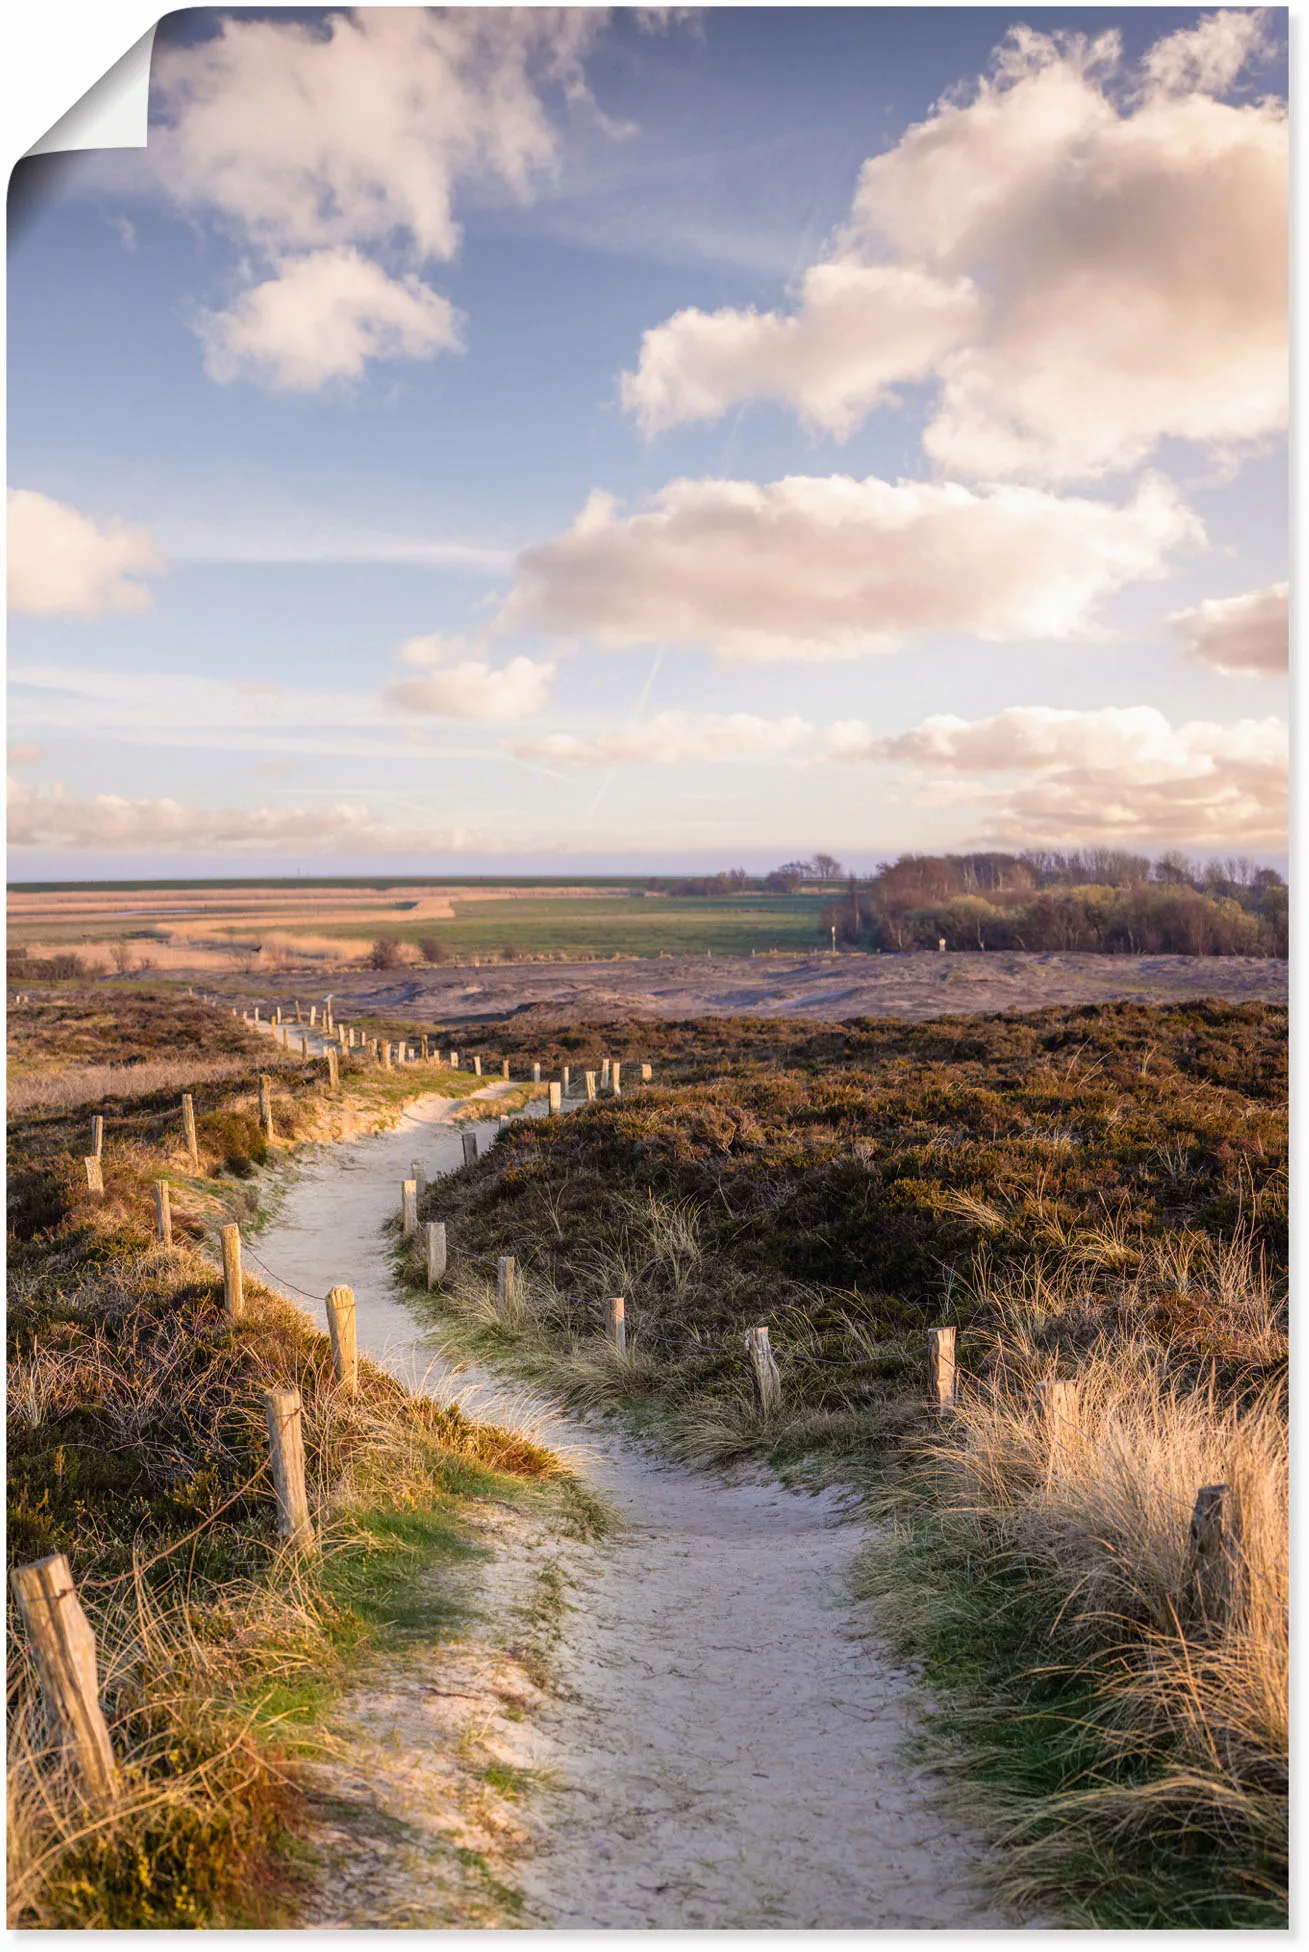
{"points": [[163, 1214], [470, 1148], [768, 1383], [313, 1015], [554, 1099], [506, 1287], [64, 1648], [504, 1067], [604, 1074], [266, 1106], [95, 1179], [341, 1328], [233, 1292], [386, 1055], [408, 1208], [617, 1323], [435, 1251], [1210, 1551], [536, 1074], [98, 1136], [477, 1065], [647, 1073], [941, 1368], [419, 1176], [454, 1060], [286, 1447], [333, 1070], [564, 1078], [615, 1080], [590, 1083], [188, 1129], [422, 1045]]}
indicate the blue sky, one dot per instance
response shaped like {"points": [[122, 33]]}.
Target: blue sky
{"points": [[981, 526]]}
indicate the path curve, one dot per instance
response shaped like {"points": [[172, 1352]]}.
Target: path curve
{"points": [[729, 1739]]}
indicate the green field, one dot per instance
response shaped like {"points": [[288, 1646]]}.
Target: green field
{"points": [[630, 925]]}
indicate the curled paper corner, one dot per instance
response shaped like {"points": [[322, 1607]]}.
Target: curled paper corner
{"points": [[113, 113]]}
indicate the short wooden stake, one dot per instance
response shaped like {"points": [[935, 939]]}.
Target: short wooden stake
{"points": [[617, 1324], [188, 1129], [940, 1368], [555, 1098], [536, 1074], [504, 1067], [615, 1080], [313, 1014], [477, 1066], [266, 1106], [422, 1045], [1209, 1549], [163, 1214], [647, 1073], [233, 1291], [470, 1148], [341, 1328], [95, 1179], [386, 1057], [333, 1070], [590, 1083], [63, 1644], [454, 1060], [286, 1447], [408, 1208], [505, 1287], [768, 1384], [435, 1251], [604, 1074], [98, 1136], [564, 1079]]}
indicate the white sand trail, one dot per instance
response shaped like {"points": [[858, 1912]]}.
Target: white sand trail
{"points": [[729, 1739]]}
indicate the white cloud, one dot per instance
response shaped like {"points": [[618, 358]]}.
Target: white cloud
{"points": [[61, 561], [1241, 636], [1086, 274], [323, 318], [314, 142], [440, 647], [59, 818], [820, 567], [1108, 775], [671, 737], [475, 690], [356, 129]]}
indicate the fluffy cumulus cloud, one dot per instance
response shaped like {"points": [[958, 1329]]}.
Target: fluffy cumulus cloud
{"points": [[315, 141], [820, 567], [323, 318], [59, 818], [1241, 636], [474, 689], [60, 561], [1112, 775], [1087, 261], [671, 737]]}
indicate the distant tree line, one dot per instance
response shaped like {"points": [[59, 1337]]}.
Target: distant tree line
{"points": [[1098, 899]]}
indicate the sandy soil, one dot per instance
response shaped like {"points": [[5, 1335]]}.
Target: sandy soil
{"points": [[915, 985], [727, 1735]]}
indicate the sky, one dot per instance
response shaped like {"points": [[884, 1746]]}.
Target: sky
{"points": [[472, 441]]}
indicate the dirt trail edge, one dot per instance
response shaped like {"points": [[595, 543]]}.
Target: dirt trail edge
{"points": [[724, 1739]]}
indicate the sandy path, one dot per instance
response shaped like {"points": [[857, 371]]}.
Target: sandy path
{"points": [[728, 1739]]}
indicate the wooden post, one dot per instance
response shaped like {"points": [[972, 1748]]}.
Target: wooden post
{"points": [[590, 1084], [386, 1056], [554, 1099], [333, 1070], [477, 1065], [419, 1176], [940, 1368], [536, 1074], [1209, 1549], [454, 1060], [188, 1130], [768, 1383], [266, 1106], [286, 1446], [98, 1136], [233, 1292], [506, 1287], [647, 1073], [470, 1148], [298, 1017], [617, 1324], [64, 1646], [163, 1214], [435, 1251], [564, 1077], [422, 1045], [313, 1015], [95, 1179], [341, 1328], [408, 1208], [504, 1067], [604, 1074], [615, 1080]]}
